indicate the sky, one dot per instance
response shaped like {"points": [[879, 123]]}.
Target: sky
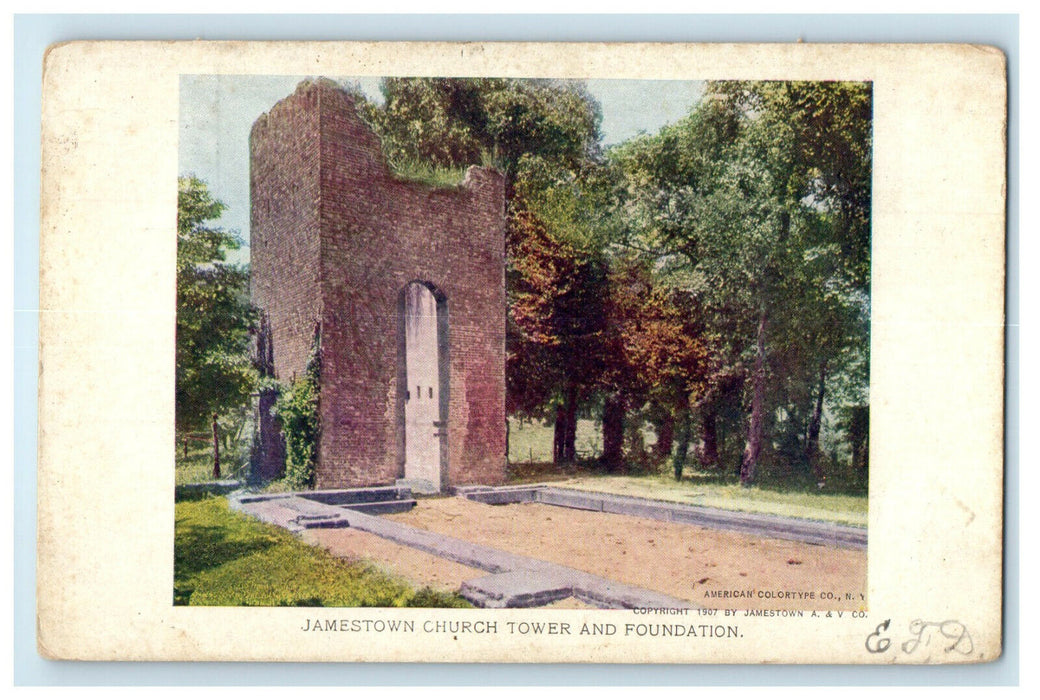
{"points": [[218, 111]]}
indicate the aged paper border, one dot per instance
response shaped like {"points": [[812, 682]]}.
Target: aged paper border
{"points": [[938, 273]]}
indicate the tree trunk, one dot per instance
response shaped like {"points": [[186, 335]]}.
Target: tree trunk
{"points": [[679, 460], [812, 436], [753, 446], [216, 449], [613, 431], [507, 441], [559, 430], [665, 436], [570, 417], [859, 436], [710, 438]]}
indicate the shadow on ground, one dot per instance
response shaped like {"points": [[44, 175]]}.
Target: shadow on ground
{"points": [[205, 547]]}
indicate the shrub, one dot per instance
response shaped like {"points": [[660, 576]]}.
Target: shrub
{"points": [[297, 409]]}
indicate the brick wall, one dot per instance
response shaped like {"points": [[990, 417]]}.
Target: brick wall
{"points": [[348, 239], [285, 251]]}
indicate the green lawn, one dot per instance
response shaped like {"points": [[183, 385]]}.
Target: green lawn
{"points": [[531, 441], [530, 459], [197, 465], [225, 558], [697, 489]]}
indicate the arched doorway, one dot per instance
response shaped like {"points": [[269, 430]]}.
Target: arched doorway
{"points": [[423, 385]]}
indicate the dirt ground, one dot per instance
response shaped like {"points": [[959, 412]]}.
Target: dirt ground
{"points": [[704, 566], [413, 564]]}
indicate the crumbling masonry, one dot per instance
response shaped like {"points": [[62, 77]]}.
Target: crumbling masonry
{"points": [[406, 284]]}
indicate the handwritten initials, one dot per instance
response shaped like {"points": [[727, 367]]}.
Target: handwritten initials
{"points": [[951, 629]]}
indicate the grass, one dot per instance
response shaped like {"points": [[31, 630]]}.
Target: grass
{"points": [[707, 490], [225, 558], [197, 466], [429, 175], [531, 441], [530, 460]]}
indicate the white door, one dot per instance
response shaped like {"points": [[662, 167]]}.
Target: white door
{"points": [[422, 398]]}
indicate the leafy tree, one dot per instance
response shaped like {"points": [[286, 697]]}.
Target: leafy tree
{"points": [[693, 203], [760, 200], [655, 353], [452, 122], [824, 284], [214, 369], [715, 274], [831, 129], [555, 327]]}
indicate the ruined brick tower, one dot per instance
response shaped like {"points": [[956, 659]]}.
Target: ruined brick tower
{"points": [[406, 284]]}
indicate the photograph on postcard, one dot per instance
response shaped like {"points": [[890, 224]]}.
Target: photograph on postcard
{"points": [[523, 342]]}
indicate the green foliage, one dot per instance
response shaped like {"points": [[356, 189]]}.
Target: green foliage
{"points": [[457, 122], [576, 203], [555, 315], [225, 558], [298, 411], [758, 203], [430, 175], [830, 124], [214, 370], [197, 465]]}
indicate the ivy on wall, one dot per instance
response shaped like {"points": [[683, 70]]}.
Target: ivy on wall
{"points": [[297, 410]]}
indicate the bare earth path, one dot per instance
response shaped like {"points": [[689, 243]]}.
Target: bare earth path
{"points": [[684, 561]]}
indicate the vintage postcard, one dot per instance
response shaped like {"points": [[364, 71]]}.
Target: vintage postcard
{"points": [[520, 352]]}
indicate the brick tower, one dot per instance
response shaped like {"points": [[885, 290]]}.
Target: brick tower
{"points": [[403, 283]]}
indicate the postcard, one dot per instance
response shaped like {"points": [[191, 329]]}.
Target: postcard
{"points": [[652, 353]]}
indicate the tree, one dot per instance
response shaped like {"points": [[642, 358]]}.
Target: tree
{"points": [[457, 122], [555, 326], [214, 369], [655, 355], [713, 275], [699, 202], [825, 173], [760, 199]]}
